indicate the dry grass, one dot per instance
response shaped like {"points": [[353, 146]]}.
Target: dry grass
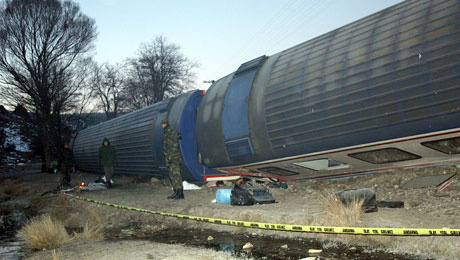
{"points": [[338, 214], [56, 255], [92, 227], [60, 208], [45, 233]]}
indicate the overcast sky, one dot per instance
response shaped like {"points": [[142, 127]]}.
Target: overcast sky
{"points": [[218, 34]]}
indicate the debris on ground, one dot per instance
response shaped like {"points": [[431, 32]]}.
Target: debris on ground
{"points": [[282, 185], [246, 197], [240, 196], [390, 204], [223, 196], [93, 186], [190, 186], [262, 196], [142, 178], [444, 185]]}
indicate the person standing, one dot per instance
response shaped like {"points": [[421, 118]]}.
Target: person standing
{"points": [[107, 158], [173, 157], [65, 163]]}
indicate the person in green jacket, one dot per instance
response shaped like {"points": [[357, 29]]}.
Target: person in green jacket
{"points": [[171, 151], [107, 158]]}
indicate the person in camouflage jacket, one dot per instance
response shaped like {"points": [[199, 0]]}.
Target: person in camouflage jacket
{"points": [[171, 151]]}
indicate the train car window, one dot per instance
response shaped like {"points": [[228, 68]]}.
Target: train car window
{"points": [[277, 171], [322, 164], [448, 146], [387, 155]]}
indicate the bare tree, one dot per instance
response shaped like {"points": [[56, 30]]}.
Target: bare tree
{"points": [[160, 70], [108, 84], [82, 104], [41, 44]]}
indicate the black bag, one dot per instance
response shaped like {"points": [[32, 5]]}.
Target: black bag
{"points": [[262, 196], [241, 197]]}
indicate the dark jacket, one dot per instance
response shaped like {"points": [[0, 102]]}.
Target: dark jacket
{"points": [[66, 158], [171, 147], [107, 155]]}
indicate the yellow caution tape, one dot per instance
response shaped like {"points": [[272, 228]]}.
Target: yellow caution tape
{"points": [[297, 228]]}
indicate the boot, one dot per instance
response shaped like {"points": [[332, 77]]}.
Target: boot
{"points": [[173, 195], [180, 194]]}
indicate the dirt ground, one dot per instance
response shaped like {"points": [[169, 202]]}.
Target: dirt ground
{"points": [[300, 204], [131, 249]]}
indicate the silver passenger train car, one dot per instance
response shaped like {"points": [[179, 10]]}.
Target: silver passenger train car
{"points": [[377, 94], [380, 93]]}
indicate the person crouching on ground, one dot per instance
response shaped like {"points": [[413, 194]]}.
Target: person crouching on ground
{"points": [[65, 164], [107, 158], [173, 157]]}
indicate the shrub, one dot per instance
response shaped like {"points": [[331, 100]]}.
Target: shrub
{"points": [[45, 233], [92, 228], [338, 214]]}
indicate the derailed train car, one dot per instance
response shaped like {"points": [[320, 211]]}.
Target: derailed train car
{"points": [[137, 138], [378, 94]]}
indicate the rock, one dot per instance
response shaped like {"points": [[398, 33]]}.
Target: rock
{"points": [[248, 245], [414, 203], [441, 194], [396, 186], [314, 251], [16, 204], [285, 246], [15, 219], [309, 258], [352, 248], [127, 232], [210, 238], [450, 211]]}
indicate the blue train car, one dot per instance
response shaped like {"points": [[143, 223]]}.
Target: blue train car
{"points": [[377, 94], [137, 138]]}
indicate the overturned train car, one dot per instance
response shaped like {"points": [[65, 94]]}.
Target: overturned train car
{"points": [[137, 138], [377, 94]]}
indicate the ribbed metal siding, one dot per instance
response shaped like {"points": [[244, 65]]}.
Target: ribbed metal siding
{"points": [[395, 66], [130, 134]]}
